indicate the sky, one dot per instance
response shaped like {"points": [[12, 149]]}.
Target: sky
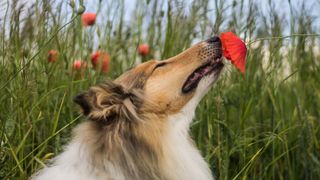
{"points": [[282, 6], [91, 5]]}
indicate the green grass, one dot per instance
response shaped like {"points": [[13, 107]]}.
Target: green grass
{"points": [[262, 125]]}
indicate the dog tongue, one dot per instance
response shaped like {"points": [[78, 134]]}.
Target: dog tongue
{"points": [[234, 50]]}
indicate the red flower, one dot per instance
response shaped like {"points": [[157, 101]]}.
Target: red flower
{"points": [[53, 55], [234, 49], [100, 59], [143, 49], [79, 65], [88, 19]]}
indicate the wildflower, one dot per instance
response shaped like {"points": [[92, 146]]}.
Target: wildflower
{"points": [[234, 50], [100, 61], [88, 19], [143, 49], [53, 55], [79, 65]]}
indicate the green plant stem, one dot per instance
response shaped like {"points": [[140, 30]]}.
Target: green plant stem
{"points": [[280, 37]]}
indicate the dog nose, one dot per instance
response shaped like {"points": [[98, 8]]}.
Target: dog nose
{"points": [[216, 45], [214, 40]]}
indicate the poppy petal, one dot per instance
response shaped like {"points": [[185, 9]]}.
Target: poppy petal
{"points": [[100, 61], [88, 19], [234, 49]]}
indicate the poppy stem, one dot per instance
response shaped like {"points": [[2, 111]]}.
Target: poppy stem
{"points": [[280, 37]]}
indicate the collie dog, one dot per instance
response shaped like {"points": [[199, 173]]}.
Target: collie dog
{"points": [[137, 125]]}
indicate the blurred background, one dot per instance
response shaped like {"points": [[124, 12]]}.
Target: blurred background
{"points": [[260, 125]]}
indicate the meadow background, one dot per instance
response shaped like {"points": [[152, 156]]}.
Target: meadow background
{"points": [[260, 125]]}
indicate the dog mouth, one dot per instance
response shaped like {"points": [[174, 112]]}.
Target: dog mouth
{"points": [[204, 70]]}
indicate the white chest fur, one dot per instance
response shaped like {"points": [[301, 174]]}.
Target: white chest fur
{"points": [[185, 160]]}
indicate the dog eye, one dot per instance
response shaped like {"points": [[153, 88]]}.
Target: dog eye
{"points": [[159, 65]]}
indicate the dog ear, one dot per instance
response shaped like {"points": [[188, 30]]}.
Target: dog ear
{"points": [[83, 100], [109, 102]]}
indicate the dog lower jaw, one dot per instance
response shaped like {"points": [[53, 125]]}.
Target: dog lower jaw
{"points": [[204, 86]]}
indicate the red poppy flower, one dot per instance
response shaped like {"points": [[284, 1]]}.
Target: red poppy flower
{"points": [[143, 49], [79, 65], [88, 19], [100, 59], [234, 50], [53, 55]]}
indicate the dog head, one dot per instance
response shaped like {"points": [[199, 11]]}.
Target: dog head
{"points": [[158, 87]]}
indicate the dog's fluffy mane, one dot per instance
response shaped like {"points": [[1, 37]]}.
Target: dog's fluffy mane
{"points": [[120, 131]]}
